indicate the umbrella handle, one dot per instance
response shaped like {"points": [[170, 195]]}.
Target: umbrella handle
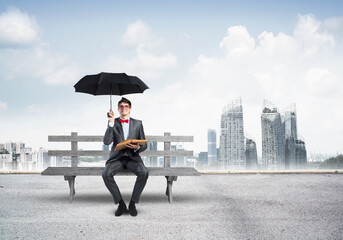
{"points": [[108, 114], [110, 101], [110, 97]]}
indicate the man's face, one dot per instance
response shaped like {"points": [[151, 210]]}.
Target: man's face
{"points": [[124, 109]]}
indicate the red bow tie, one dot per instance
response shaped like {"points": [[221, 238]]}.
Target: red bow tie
{"points": [[126, 121]]}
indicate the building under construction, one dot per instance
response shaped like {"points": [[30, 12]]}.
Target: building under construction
{"points": [[282, 148], [250, 154], [295, 150], [300, 154], [273, 138], [232, 149], [291, 135]]}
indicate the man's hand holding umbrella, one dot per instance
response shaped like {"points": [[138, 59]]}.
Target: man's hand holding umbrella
{"points": [[110, 116]]}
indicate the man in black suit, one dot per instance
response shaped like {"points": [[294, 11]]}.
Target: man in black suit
{"points": [[118, 130]]}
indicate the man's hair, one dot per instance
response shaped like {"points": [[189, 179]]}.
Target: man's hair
{"points": [[124, 100]]}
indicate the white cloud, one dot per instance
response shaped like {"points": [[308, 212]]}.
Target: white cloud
{"points": [[3, 106], [151, 59], [39, 62], [281, 45], [33, 109], [333, 23], [309, 36], [35, 60], [137, 33], [237, 41], [18, 28], [321, 82], [63, 75]]}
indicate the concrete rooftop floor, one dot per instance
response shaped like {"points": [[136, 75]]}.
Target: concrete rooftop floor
{"points": [[228, 206]]}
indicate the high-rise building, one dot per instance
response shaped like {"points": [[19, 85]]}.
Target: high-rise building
{"points": [[43, 159], [232, 149], [203, 158], [289, 121], [9, 146], [295, 150], [5, 159], [211, 146], [20, 146], [177, 161], [173, 158], [151, 161], [14, 147], [273, 138], [250, 153], [300, 153], [105, 148], [180, 160]]}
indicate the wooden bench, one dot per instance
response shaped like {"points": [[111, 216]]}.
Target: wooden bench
{"points": [[70, 173]]}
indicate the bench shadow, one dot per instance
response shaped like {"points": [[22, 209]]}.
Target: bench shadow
{"points": [[107, 198]]}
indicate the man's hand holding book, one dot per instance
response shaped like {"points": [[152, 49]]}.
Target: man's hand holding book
{"points": [[130, 143]]}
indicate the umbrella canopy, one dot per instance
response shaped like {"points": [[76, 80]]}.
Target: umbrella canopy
{"points": [[110, 84]]}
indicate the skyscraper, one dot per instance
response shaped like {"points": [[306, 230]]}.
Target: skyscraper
{"points": [[211, 146], [300, 153], [290, 122], [250, 153], [152, 160], [289, 119], [203, 158], [105, 148], [273, 138], [177, 161], [232, 149], [295, 150]]}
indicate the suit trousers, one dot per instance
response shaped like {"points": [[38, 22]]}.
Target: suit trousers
{"points": [[137, 168]]}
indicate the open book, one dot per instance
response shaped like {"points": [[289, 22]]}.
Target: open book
{"points": [[122, 144]]}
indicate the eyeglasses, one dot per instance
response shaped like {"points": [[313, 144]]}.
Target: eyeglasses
{"points": [[124, 106]]}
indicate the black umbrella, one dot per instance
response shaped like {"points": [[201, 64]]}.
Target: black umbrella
{"points": [[110, 84]]}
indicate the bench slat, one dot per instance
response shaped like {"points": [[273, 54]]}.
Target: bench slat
{"points": [[106, 153], [94, 171], [90, 138]]}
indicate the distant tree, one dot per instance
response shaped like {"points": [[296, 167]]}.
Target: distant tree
{"points": [[333, 163], [214, 165], [4, 151], [199, 165]]}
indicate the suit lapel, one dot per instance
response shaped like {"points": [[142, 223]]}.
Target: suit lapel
{"points": [[120, 129], [131, 124]]}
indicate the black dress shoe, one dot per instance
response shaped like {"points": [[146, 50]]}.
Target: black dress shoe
{"points": [[132, 209], [120, 210]]}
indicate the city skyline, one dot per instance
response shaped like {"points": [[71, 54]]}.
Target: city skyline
{"points": [[193, 63], [285, 116]]}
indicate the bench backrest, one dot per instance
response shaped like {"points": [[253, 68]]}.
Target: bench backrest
{"points": [[74, 139]]}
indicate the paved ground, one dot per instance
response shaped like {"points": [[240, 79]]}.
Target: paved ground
{"points": [[245, 206]]}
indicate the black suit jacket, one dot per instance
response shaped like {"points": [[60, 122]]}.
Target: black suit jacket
{"points": [[115, 134]]}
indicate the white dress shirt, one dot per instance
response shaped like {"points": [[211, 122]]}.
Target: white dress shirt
{"points": [[126, 129]]}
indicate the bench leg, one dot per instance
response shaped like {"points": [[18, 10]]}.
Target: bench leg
{"points": [[71, 181], [169, 189]]}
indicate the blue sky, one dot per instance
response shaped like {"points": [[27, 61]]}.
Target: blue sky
{"points": [[196, 56]]}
